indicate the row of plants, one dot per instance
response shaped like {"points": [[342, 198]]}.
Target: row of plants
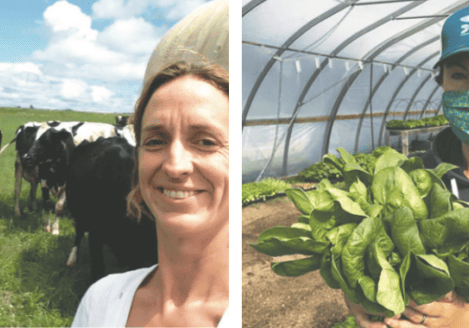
{"points": [[410, 124], [269, 187], [260, 191], [392, 232], [325, 170]]}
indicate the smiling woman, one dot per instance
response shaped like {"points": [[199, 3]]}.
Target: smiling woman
{"points": [[181, 180]]}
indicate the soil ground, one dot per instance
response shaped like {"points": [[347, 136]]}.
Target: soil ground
{"points": [[274, 301]]}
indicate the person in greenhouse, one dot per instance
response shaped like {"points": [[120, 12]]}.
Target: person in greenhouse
{"points": [[451, 145]]}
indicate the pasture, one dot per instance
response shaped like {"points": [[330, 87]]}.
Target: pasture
{"points": [[36, 288]]}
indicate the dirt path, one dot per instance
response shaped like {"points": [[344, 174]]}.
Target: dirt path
{"points": [[273, 301]]}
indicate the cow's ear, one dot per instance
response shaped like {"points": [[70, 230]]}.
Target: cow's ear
{"points": [[64, 134]]}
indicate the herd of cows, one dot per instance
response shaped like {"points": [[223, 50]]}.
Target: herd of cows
{"points": [[87, 166]]}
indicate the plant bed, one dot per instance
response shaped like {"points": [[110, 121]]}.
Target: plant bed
{"points": [[438, 120]]}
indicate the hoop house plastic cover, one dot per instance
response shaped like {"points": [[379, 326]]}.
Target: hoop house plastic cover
{"points": [[319, 74]]}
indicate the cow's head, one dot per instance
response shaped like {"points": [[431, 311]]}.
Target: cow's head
{"points": [[121, 121], [49, 150], [25, 136]]}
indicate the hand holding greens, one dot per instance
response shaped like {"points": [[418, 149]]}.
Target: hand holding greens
{"points": [[392, 234]]}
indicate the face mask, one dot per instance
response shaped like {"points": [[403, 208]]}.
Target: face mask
{"points": [[456, 110]]}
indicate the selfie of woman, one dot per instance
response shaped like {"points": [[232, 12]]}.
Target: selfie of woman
{"points": [[180, 180]]}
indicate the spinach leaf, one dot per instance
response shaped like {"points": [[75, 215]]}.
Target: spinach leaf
{"points": [[447, 233], [301, 225], [369, 288], [321, 199], [403, 270], [338, 236], [346, 156], [280, 241], [428, 278], [389, 158], [326, 270], [422, 181], [300, 199], [393, 188], [405, 232], [336, 269], [441, 169], [331, 159], [349, 322], [459, 271], [389, 293], [440, 201], [411, 164], [353, 253], [297, 268]]}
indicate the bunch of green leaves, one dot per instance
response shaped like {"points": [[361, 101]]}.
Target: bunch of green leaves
{"points": [[262, 189], [392, 234], [435, 120], [409, 124]]}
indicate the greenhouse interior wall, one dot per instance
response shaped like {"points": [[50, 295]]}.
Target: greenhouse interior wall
{"points": [[264, 145]]}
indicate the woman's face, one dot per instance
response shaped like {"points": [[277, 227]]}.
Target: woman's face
{"points": [[183, 157], [456, 73]]}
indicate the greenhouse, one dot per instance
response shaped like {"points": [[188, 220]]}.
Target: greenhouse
{"points": [[346, 110], [322, 74]]}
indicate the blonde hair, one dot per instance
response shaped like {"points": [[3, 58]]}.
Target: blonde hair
{"points": [[213, 74]]}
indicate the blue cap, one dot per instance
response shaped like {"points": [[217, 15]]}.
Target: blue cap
{"points": [[455, 34]]}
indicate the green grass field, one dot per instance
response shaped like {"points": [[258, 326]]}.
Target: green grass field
{"points": [[36, 288]]}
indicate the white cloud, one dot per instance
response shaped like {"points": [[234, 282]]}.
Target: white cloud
{"points": [[119, 53], [132, 35], [118, 9], [100, 93], [73, 89], [65, 17], [21, 87], [180, 9], [79, 51], [114, 9], [73, 39], [27, 67]]}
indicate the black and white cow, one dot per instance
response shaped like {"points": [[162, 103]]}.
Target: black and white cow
{"points": [[26, 134], [122, 121], [97, 185], [126, 132], [51, 151]]}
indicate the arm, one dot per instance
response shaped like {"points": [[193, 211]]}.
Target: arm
{"points": [[449, 311]]}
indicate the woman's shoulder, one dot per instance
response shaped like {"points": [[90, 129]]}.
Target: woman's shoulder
{"points": [[107, 301], [121, 281]]}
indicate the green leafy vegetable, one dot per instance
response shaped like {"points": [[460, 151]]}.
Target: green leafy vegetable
{"points": [[390, 233]]}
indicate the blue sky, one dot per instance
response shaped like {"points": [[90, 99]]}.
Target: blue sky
{"points": [[81, 55]]}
